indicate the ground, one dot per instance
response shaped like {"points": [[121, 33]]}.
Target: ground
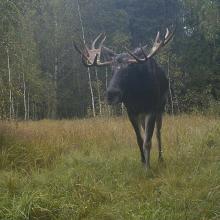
{"points": [[91, 169]]}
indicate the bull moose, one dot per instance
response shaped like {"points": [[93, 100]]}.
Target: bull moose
{"points": [[137, 82]]}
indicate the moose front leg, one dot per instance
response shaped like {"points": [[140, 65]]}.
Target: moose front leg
{"points": [[149, 129], [134, 119], [158, 134]]}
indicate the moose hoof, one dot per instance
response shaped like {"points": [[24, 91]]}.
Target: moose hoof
{"points": [[143, 161], [147, 166]]}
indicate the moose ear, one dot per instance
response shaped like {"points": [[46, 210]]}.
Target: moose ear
{"points": [[107, 54], [138, 51]]}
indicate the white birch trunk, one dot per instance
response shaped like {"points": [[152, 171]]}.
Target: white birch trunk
{"points": [[33, 111], [177, 103], [24, 91], [28, 106], [88, 70], [11, 101], [98, 90], [54, 107], [24, 97], [91, 91], [171, 96], [106, 78], [106, 86]]}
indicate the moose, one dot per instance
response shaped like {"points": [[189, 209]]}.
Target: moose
{"points": [[137, 82]]}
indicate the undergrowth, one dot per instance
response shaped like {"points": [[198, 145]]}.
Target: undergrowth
{"points": [[90, 169]]}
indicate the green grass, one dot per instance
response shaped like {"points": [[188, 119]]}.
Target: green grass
{"points": [[90, 169]]}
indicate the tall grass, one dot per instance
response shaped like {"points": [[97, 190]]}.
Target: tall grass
{"points": [[90, 169]]}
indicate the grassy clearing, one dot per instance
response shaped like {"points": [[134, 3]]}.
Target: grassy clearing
{"points": [[90, 169]]}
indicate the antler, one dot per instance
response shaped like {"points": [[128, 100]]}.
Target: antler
{"points": [[158, 44], [92, 57]]}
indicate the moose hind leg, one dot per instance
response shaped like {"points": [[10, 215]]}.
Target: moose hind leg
{"points": [[158, 134], [137, 128], [149, 129]]}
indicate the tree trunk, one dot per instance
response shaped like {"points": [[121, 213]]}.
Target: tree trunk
{"points": [[88, 70], [171, 96], [106, 78], [33, 111], [24, 91], [28, 106], [106, 86], [11, 101], [98, 90], [54, 105], [24, 97], [55, 74], [91, 91], [122, 109]]}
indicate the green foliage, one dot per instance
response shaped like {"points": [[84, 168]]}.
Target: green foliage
{"points": [[47, 77]]}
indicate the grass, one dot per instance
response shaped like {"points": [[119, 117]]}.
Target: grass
{"points": [[90, 169]]}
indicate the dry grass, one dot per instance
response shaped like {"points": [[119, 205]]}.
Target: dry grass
{"points": [[90, 169]]}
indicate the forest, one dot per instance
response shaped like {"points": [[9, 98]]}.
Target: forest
{"points": [[67, 155], [41, 74]]}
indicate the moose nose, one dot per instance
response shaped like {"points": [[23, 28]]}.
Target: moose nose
{"points": [[114, 96]]}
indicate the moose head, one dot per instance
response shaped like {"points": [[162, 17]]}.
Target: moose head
{"points": [[119, 62]]}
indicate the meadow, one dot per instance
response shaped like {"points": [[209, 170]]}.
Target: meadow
{"points": [[90, 169]]}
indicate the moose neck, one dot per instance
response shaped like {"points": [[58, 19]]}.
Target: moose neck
{"points": [[141, 85]]}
